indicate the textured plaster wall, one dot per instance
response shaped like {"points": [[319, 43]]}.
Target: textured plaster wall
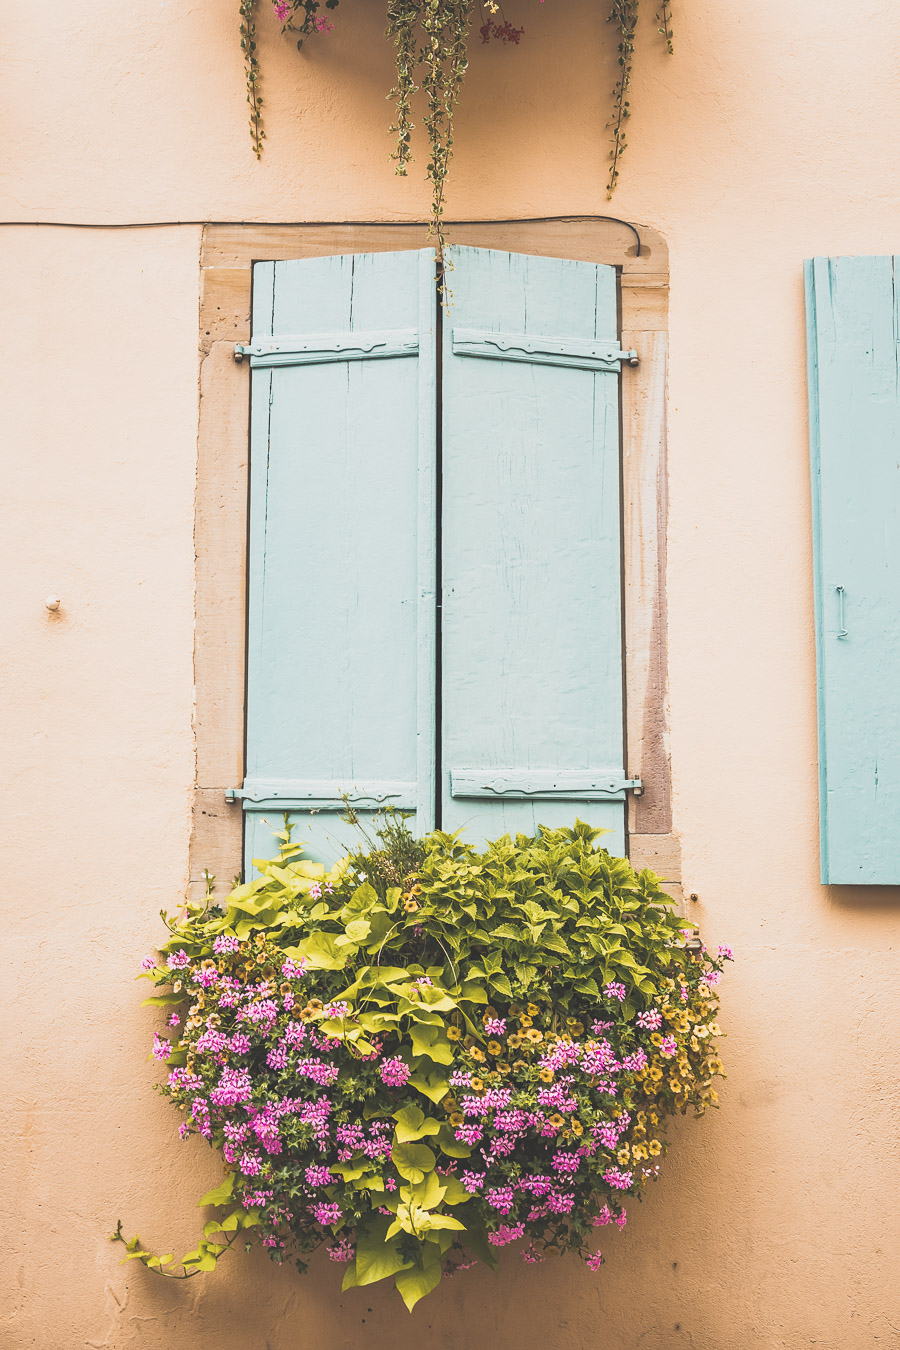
{"points": [[773, 134]]}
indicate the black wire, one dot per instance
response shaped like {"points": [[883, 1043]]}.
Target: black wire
{"points": [[317, 224]]}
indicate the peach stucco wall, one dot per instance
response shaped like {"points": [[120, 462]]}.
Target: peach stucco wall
{"points": [[773, 134]]}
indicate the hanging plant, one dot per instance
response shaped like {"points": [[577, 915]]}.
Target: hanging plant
{"points": [[429, 1053], [430, 39]]}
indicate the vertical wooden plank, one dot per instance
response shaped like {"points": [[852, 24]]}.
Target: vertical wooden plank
{"points": [[531, 593], [854, 392], [644, 520], [340, 629]]}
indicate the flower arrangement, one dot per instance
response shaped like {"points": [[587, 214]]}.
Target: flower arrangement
{"points": [[430, 38], [429, 1052]]}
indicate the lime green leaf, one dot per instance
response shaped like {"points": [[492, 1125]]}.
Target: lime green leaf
{"points": [[415, 1283], [501, 984], [428, 1194], [377, 1258], [320, 951], [428, 1040], [449, 1144], [433, 1085], [436, 1221], [162, 1000], [413, 1161], [220, 1195], [351, 1171], [455, 1192], [412, 1123]]}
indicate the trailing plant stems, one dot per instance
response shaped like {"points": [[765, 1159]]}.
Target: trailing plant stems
{"points": [[433, 35]]}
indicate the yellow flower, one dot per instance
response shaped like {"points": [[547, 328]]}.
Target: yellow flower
{"points": [[653, 1118], [714, 1029], [576, 1027], [502, 1067], [476, 1084], [715, 1066], [494, 1048], [546, 1075], [519, 1064], [489, 1014], [208, 964], [577, 1128], [655, 1148], [315, 1005], [524, 1020], [642, 1117], [623, 1156], [556, 1121], [457, 1119], [410, 905], [640, 1153], [656, 1073], [534, 1035], [450, 1103], [515, 1009], [478, 1055], [532, 1009], [454, 1034], [515, 1040]]}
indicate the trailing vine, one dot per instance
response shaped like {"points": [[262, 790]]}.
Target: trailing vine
{"points": [[430, 39]]}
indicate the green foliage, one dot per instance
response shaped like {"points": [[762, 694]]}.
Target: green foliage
{"points": [[430, 40], [432, 1050]]}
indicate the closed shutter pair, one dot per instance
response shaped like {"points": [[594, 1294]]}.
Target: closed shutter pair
{"points": [[435, 561]]}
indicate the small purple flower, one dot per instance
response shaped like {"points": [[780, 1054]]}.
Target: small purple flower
{"points": [[668, 1045], [394, 1072], [224, 944], [326, 1214], [651, 1020], [614, 990], [148, 963], [726, 953]]}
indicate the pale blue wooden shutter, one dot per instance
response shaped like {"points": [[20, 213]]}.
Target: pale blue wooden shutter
{"points": [[340, 647], [854, 396], [532, 725]]}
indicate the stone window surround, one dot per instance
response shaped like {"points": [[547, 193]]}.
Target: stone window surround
{"points": [[220, 529]]}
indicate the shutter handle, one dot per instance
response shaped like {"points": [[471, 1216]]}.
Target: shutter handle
{"points": [[842, 632]]}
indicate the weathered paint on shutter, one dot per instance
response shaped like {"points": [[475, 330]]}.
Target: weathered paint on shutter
{"points": [[854, 396], [532, 719], [340, 653]]}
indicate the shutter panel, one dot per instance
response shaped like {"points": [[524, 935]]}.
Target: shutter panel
{"points": [[532, 718], [854, 396], [340, 648]]}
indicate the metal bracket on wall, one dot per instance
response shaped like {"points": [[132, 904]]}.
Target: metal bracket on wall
{"points": [[578, 353], [288, 794], [561, 785], [314, 349]]}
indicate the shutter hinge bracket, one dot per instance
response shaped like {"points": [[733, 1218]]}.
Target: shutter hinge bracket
{"points": [[546, 784], [576, 353], [313, 349]]}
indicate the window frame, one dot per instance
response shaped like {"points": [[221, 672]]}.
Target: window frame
{"points": [[221, 505]]}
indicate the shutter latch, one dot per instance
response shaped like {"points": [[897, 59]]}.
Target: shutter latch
{"points": [[576, 353]]}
